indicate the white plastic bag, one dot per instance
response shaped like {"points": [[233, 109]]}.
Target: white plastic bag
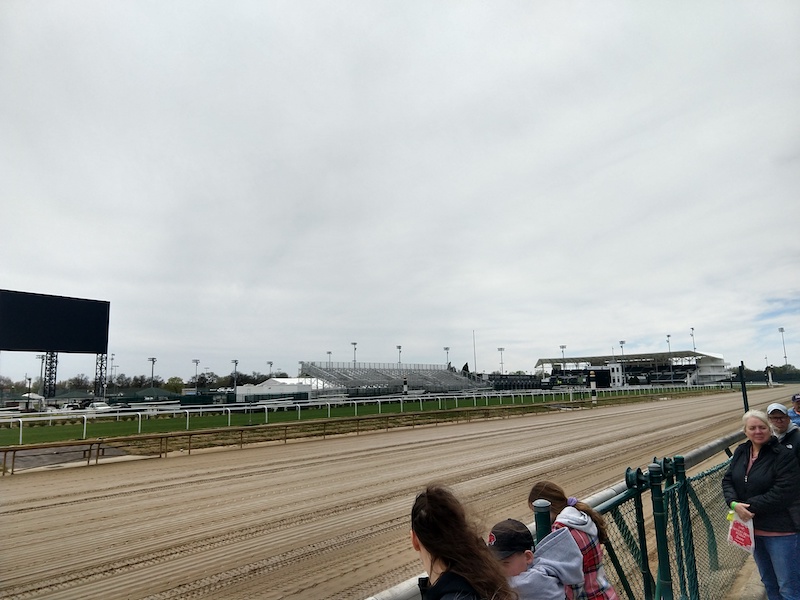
{"points": [[740, 533]]}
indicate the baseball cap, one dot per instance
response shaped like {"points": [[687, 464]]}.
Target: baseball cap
{"points": [[509, 537], [777, 406], [796, 398]]}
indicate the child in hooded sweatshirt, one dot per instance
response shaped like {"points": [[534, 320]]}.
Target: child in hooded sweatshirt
{"points": [[588, 529], [541, 574]]}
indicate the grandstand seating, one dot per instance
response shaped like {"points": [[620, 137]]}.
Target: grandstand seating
{"points": [[387, 378]]}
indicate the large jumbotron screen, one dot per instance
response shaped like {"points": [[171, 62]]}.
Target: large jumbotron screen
{"points": [[42, 323]]}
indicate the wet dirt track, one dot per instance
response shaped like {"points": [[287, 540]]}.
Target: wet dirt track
{"points": [[321, 519]]}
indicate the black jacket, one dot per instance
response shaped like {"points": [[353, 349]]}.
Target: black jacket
{"points": [[449, 586], [792, 441], [770, 488]]}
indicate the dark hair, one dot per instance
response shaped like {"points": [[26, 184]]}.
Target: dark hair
{"points": [[547, 490], [440, 523]]}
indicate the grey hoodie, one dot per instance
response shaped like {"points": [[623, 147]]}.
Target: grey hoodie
{"points": [[557, 560], [575, 519]]}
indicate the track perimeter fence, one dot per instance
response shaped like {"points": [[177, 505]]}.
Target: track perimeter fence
{"points": [[674, 546]]}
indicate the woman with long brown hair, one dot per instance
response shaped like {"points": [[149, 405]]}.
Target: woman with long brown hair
{"points": [[588, 529], [452, 551]]}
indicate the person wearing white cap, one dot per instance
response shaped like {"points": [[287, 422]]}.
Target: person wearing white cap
{"points": [[787, 432], [794, 412], [788, 435]]}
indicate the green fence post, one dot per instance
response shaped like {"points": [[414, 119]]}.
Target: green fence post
{"points": [[541, 516], [664, 585], [686, 528], [638, 481], [672, 512]]}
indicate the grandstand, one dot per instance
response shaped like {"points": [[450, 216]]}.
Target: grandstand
{"points": [[681, 367], [375, 379]]}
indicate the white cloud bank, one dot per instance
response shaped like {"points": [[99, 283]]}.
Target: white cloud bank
{"points": [[271, 181]]}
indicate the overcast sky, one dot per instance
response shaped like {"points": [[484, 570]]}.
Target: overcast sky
{"points": [[269, 181]]}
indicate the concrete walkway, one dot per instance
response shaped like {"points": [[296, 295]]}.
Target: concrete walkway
{"points": [[748, 584]]}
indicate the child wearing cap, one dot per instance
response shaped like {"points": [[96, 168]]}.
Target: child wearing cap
{"points": [[794, 412], [540, 574]]}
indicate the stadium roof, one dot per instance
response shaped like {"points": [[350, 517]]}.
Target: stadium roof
{"points": [[652, 357]]}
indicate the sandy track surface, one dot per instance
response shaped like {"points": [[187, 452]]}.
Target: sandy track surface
{"points": [[321, 519]]}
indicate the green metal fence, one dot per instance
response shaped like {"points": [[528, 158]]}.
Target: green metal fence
{"points": [[683, 532], [667, 532]]}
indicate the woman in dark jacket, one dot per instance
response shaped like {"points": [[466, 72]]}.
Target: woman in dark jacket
{"points": [[459, 564], [761, 483]]}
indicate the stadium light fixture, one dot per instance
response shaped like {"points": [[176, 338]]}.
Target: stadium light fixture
{"points": [[235, 366], [501, 350], [669, 347], [563, 360], [447, 354], [41, 372], [399, 350], [622, 360], [196, 362], [694, 348], [354, 353], [329, 358], [152, 360], [785, 360]]}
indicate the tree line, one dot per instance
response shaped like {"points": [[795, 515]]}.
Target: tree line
{"points": [[120, 381]]}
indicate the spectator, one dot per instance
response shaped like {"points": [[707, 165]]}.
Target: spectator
{"points": [[794, 412], [588, 529], [786, 431], [539, 574], [458, 562], [761, 483]]}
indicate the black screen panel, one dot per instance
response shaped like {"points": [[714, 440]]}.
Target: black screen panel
{"points": [[43, 323]]}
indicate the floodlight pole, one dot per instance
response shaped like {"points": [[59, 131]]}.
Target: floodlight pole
{"points": [[41, 357], [354, 353], [329, 359], [196, 362], [235, 365], [785, 360], [399, 351], [111, 370], [501, 350], [694, 348], [563, 360], [269, 362], [447, 354], [622, 360], [152, 360], [669, 346]]}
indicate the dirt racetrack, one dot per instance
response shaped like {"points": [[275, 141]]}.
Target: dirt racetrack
{"points": [[320, 519]]}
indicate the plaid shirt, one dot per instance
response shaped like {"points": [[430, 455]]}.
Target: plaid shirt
{"points": [[595, 585]]}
